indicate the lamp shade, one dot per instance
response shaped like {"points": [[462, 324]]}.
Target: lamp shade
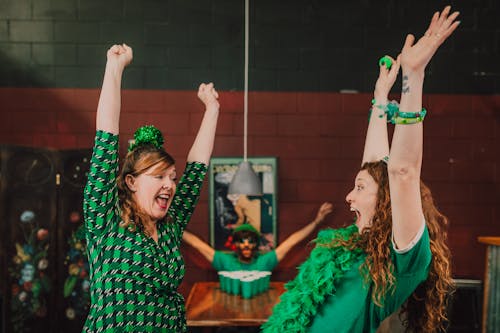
{"points": [[245, 181]]}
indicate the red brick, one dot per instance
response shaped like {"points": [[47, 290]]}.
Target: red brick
{"points": [[315, 190], [16, 139], [259, 124], [445, 193], [272, 102], [295, 147], [436, 170], [36, 98], [449, 105], [470, 127], [288, 190], [63, 97], [179, 101], [484, 194], [6, 125], [67, 141], [85, 140], [357, 104], [225, 123], [143, 101], [485, 105], [46, 140], [472, 215], [231, 101], [169, 124], [229, 146], [293, 216], [301, 126], [292, 168], [86, 99], [436, 126], [70, 121], [485, 149], [178, 145], [312, 103], [337, 169], [473, 172], [351, 148], [448, 149], [20, 98], [271, 146], [345, 126], [33, 122], [468, 254]]}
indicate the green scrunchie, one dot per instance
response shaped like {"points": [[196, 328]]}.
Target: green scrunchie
{"points": [[147, 135]]}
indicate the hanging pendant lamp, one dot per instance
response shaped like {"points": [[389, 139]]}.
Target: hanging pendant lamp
{"points": [[245, 181]]}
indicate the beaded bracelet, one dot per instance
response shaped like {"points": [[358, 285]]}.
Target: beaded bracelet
{"points": [[390, 109], [407, 115], [408, 118], [394, 116]]}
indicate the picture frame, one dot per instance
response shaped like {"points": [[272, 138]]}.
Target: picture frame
{"points": [[228, 211]]}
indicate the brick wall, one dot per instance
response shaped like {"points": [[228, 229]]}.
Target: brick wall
{"points": [[318, 138], [301, 55], [305, 45]]}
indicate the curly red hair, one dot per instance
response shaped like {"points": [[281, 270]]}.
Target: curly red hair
{"points": [[426, 308]]}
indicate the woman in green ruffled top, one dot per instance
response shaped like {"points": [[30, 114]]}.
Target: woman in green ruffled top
{"points": [[394, 257], [134, 219]]}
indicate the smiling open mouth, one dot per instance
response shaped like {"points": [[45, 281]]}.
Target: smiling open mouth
{"points": [[162, 200], [356, 212]]}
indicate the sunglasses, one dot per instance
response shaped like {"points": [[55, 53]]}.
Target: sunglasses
{"points": [[248, 240]]}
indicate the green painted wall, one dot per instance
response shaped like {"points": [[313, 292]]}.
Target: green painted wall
{"points": [[296, 45]]}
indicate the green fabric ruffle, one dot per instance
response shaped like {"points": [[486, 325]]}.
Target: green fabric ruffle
{"points": [[317, 279]]}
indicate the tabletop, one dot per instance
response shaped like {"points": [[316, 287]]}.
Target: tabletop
{"points": [[208, 305]]}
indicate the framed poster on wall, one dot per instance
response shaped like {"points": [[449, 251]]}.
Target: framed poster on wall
{"points": [[229, 211]]}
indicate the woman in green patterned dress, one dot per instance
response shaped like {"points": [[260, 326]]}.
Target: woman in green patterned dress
{"points": [[134, 220]]}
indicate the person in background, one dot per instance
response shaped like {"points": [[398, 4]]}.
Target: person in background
{"points": [[245, 238], [395, 254], [134, 219]]}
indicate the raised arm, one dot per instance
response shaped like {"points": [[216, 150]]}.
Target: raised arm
{"points": [[108, 109], [206, 250], [406, 151], [377, 141], [325, 209], [204, 142]]}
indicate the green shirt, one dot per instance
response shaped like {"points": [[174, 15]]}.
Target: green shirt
{"points": [[351, 308], [134, 280], [230, 262]]}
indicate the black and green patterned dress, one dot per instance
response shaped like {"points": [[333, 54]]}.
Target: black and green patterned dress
{"points": [[134, 280]]}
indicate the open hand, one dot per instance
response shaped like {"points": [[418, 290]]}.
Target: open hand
{"points": [[208, 95], [325, 209], [120, 55], [415, 57]]}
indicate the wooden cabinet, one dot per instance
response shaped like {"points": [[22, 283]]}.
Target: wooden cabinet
{"points": [[41, 193]]}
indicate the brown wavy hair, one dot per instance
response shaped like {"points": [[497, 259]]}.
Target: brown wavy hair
{"points": [[426, 309], [137, 162]]}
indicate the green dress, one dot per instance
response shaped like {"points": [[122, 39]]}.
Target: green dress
{"points": [[351, 308], [230, 262], [134, 280], [330, 294]]}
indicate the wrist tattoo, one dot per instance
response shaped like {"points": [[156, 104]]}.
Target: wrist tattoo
{"points": [[406, 87]]}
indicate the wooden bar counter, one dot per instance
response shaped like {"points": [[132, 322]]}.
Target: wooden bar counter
{"points": [[207, 305]]}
